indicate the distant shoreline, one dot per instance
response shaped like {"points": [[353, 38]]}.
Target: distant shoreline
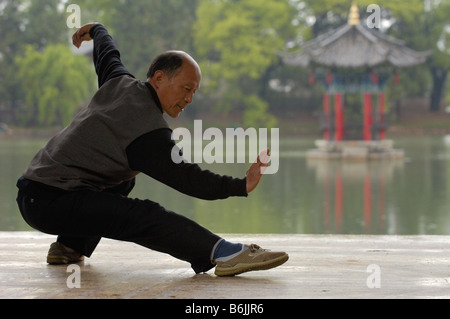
{"points": [[291, 125]]}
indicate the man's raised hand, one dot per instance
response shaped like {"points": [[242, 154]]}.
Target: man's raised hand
{"points": [[256, 171], [82, 34]]}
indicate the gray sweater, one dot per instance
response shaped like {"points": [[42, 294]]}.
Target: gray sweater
{"points": [[91, 152]]}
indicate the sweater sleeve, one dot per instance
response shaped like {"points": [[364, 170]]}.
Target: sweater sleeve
{"points": [[151, 154], [108, 64]]}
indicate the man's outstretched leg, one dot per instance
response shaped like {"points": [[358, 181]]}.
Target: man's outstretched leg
{"points": [[82, 218]]}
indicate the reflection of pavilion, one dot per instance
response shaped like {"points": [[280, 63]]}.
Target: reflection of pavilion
{"points": [[370, 179], [354, 59]]}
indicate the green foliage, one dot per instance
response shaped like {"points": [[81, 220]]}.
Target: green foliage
{"points": [[431, 23], [55, 83], [241, 37], [143, 29], [23, 22], [237, 41], [10, 26], [43, 21], [256, 113]]}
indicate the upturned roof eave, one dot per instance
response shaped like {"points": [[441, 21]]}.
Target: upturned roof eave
{"points": [[388, 50]]}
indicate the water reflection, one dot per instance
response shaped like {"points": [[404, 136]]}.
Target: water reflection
{"points": [[349, 184], [305, 197]]}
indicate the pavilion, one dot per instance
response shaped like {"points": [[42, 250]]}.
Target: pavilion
{"points": [[354, 59]]}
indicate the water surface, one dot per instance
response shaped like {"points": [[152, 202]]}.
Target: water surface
{"points": [[404, 197]]}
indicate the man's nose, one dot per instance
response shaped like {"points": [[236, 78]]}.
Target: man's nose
{"points": [[189, 98]]}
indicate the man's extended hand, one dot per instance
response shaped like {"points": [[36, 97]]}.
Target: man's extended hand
{"points": [[82, 34], [256, 171]]}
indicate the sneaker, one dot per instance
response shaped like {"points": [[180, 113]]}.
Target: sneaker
{"points": [[251, 258], [59, 254]]}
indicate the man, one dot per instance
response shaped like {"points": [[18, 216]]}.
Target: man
{"points": [[76, 187]]}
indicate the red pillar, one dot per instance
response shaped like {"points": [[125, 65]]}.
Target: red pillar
{"points": [[326, 112], [326, 206], [339, 117], [382, 207], [381, 110], [339, 201], [367, 117], [367, 201]]}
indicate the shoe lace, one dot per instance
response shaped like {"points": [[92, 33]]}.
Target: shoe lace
{"points": [[254, 248]]}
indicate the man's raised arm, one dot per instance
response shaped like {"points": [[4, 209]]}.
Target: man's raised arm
{"points": [[106, 55]]}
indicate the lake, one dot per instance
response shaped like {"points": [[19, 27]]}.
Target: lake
{"points": [[405, 197]]}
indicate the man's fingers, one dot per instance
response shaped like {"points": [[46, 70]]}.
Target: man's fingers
{"points": [[264, 157], [82, 35], [257, 169], [261, 163], [85, 36], [76, 39]]}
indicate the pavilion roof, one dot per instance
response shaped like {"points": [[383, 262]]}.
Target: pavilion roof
{"points": [[354, 45]]}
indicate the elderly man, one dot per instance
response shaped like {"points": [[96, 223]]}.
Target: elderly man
{"points": [[77, 186]]}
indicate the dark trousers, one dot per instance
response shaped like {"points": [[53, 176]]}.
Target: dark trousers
{"points": [[81, 218]]}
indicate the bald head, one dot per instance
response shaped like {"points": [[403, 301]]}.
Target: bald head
{"points": [[170, 63]]}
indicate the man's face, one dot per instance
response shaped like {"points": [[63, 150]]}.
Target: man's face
{"points": [[177, 93]]}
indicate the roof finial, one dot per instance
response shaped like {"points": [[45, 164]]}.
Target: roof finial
{"points": [[353, 18]]}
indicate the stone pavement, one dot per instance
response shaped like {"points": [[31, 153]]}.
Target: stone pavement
{"points": [[320, 266]]}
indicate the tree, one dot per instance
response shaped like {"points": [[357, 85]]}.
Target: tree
{"points": [[421, 24], [44, 23], [25, 22], [10, 24], [55, 83], [237, 41], [437, 33], [143, 29]]}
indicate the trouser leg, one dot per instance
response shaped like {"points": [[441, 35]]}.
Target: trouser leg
{"points": [[87, 245], [91, 215]]}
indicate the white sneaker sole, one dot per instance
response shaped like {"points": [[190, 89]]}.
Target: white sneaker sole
{"points": [[241, 268]]}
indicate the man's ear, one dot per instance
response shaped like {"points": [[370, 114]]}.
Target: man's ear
{"points": [[159, 77]]}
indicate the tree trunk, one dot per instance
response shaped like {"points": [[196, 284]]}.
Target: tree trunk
{"points": [[439, 76]]}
